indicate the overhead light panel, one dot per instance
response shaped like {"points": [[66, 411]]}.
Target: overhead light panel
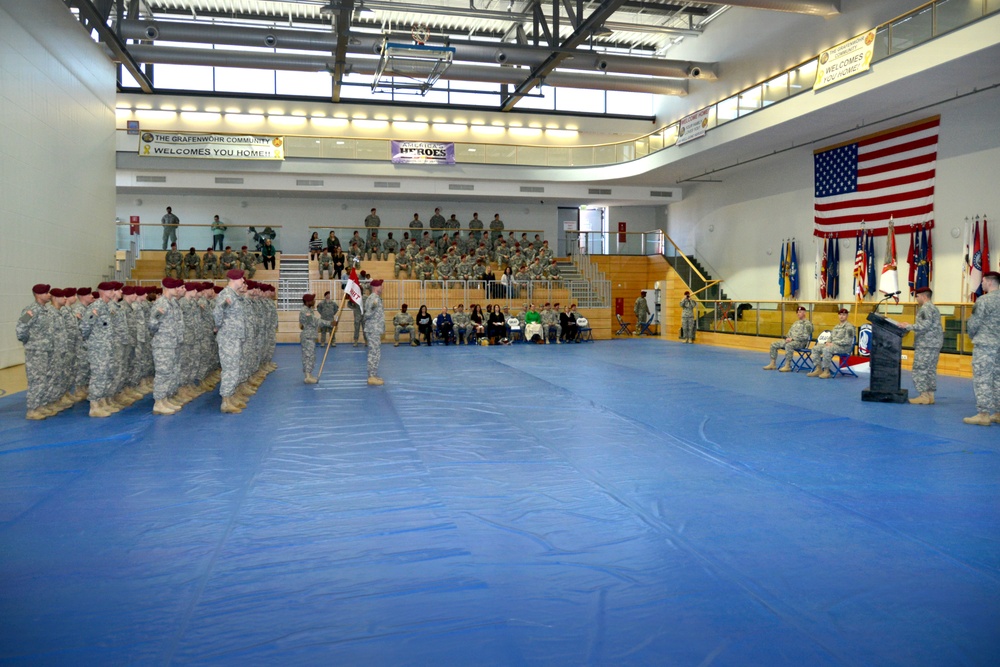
{"points": [[602, 31], [363, 12]]}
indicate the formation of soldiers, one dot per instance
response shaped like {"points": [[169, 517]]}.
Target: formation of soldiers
{"points": [[209, 265], [115, 345]]}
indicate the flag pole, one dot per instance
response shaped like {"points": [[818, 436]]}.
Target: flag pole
{"points": [[333, 333], [965, 260]]}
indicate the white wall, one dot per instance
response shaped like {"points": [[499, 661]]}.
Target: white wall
{"points": [[737, 226], [57, 169]]}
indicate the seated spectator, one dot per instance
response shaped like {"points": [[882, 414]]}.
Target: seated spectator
{"points": [[315, 245], [424, 324], [477, 324], [551, 323], [570, 329], [402, 322], [462, 325], [533, 324], [496, 327], [192, 262], [444, 327], [268, 253], [508, 284]]}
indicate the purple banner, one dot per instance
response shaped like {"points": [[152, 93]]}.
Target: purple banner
{"points": [[422, 152]]}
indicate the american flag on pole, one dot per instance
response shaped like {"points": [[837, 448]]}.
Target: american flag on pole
{"points": [[875, 178]]}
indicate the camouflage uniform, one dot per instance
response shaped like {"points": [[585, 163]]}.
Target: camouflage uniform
{"points": [[231, 314], [496, 229], [373, 222], [229, 260], [390, 247], [842, 338], [166, 325], [687, 318], [82, 371], [403, 323], [800, 333], [476, 229], [97, 328], [248, 262], [402, 265], [35, 330], [192, 263], [550, 320], [928, 338], [172, 263], [310, 322], [437, 224], [374, 323], [641, 310], [210, 262], [64, 346], [984, 330], [373, 248], [356, 313], [325, 265], [463, 324], [328, 311]]}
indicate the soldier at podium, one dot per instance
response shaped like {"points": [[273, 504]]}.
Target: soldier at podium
{"points": [[984, 330], [928, 337]]}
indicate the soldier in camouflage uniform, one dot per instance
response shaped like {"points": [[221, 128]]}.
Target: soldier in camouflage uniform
{"points": [[496, 227], [687, 318], [437, 224], [63, 347], [173, 262], [328, 311], [928, 338], [641, 310], [402, 322], [550, 321], [325, 264], [799, 335], [390, 247], [374, 322], [35, 331], [984, 330], [84, 298], [841, 342], [248, 262], [463, 325], [426, 269], [310, 322], [192, 263], [230, 315], [166, 328], [552, 270], [210, 264], [402, 265], [229, 260], [97, 329], [373, 248], [476, 228]]}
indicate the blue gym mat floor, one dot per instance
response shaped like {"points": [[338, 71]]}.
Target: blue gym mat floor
{"points": [[633, 502]]}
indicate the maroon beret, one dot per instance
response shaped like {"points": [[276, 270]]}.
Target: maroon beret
{"points": [[191, 287], [118, 285], [95, 294], [234, 274], [243, 248], [55, 291], [308, 298], [105, 286], [377, 282], [128, 289], [83, 291], [141, 291], [172, 283], [217, 289], [40, 288], [844, 311], [923, 290]]}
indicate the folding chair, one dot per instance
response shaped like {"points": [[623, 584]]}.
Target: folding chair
{"points": [[802, 360], [586, 334], [841, 366], [644, 329], [623, 327]]}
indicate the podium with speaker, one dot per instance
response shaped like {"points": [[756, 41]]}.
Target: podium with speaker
{"points": [[886, 354]]}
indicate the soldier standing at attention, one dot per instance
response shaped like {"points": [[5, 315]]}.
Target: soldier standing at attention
{"points": [[687, 318], [984, 330], [98, 330], [841, 342], [799, 335], [373, 222], [231, 324], [496, 227], [218, 234], [928, 338], [34, 330], [328, 311], [437, 224], [641, 310], [374, 322], [170, 223], [310, 322], [416, 223], [166, 326], [475, 227], [173, 261]]}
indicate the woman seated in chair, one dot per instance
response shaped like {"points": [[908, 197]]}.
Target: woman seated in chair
{"points": [[570, 330], [425, 324], [532, 324], [444, 327], [496, 327], [477, 327]]}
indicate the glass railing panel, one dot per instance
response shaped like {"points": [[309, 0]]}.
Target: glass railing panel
{"points": [[992, 6], [912, 30], [626, 152], [951, 14], [655, 141], [641, 147], [670, 132], [605, 154], [470, 153], [802, 77], [775, 90], [498, 154], [558, 156], [581, 156], [373, 149], [880, 49], [727, 110], [531, 155], [749, 101], [339, 149]]}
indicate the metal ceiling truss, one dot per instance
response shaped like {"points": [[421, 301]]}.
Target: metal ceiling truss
{"points": [[95, 18]]}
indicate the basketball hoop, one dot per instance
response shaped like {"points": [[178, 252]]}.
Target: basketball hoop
{"points": [[420, 33]]}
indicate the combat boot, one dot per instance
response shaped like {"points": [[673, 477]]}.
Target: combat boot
{"points": [[376, 381], [176, 407], [919, 400], [135, 393], [80, 395], [787, 368], [981, 419], [161, 408], [396, 344], [229, 407], [48, 410], [825, 375], [65, 402], [237, 401], [110, 406], [97, 409], [814, 372], [35, 415], [770, 366], [995, 417], [310, 379]]}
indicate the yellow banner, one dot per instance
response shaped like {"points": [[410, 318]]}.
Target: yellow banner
{"points": [[845, 60], [211, 146]]}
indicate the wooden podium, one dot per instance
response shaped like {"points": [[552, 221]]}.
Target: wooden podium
{"points": [[886, 353]]}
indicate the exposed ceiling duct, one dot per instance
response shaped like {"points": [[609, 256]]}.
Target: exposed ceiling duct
{"points": [[813, 7], [367, 66], [365, 43]]}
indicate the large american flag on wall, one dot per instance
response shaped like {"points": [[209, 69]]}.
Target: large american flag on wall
{"points": [[875, 178]]}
